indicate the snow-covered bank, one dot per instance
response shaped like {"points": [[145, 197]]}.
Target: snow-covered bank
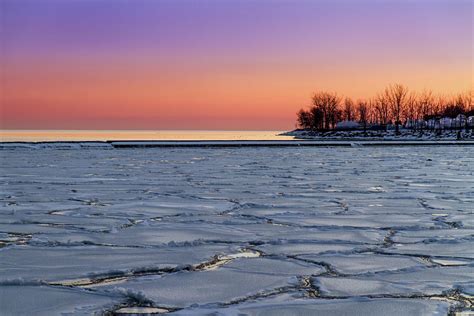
{"points": [[390, 135]]}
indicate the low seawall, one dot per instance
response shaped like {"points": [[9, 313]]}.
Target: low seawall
{"points": [[247, 143]]}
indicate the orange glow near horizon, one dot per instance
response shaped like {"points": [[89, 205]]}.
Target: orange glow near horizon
{"points": [[159, 101]]}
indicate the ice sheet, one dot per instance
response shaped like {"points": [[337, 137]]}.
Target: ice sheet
{"points": [[256, 230]]}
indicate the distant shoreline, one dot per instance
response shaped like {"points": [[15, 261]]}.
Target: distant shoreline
{"points": [[384, 136]]}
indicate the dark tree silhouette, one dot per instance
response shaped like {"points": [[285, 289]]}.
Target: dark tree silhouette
{"points": [[328, 103], [395, 104], [425, 104], [396, 96], [363, 111], [453, 110], [382, 109], [317, 118], [304, 119], [349, 110]]}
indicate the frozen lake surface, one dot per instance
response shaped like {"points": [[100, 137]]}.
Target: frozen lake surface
{"points": [[230, 231]]}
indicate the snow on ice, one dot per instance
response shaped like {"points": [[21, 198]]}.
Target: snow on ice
{"points": [[91, 229]]}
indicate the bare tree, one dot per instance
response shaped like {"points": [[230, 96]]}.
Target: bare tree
{"points": [[425, 104], [396, 96], [372, 111], [439, 105], [469, 99], [363, 111], [329, 104], [382, 109], [317, 118], [349, 109], [411, 111], [304, 119]]}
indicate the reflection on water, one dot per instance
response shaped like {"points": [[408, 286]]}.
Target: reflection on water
{"points": [[87, 135]]}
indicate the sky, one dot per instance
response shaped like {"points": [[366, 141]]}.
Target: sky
{"points": [[218, 64]]}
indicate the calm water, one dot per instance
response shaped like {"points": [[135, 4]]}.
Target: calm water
{"points": [[91, 135]]}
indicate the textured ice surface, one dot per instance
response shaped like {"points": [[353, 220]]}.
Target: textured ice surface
{"points": [[363, 263], [343, 287], [433, 235], [302, 248], [68, 263], [431, 282], [364, 231], [237, 280], [462, 249], [323, 307], [25, 299]]}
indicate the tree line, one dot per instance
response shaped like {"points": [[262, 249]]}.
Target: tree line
{"points": [[395, 105]]}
